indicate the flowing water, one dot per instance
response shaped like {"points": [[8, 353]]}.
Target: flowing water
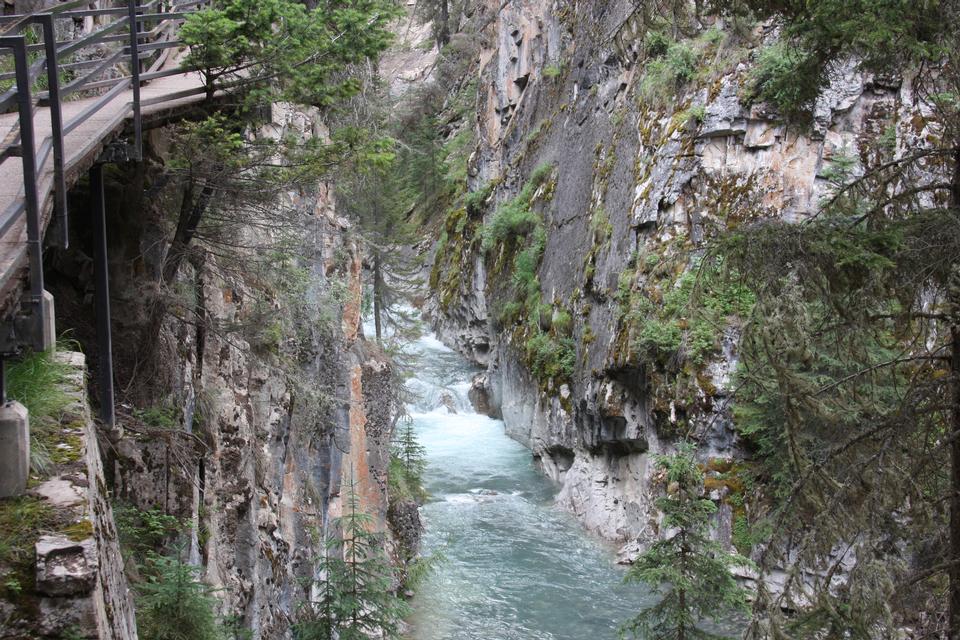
{"points": [[517, 568]]}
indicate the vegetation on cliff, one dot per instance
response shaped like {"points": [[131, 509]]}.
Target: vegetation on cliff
{"points": [[691, 570], [231, 209], [355, 595], [848, 385]]}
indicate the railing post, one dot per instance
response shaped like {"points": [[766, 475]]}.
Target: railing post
{"points": [[31, 199], [102, 297], [56, 123], [135, 72]]}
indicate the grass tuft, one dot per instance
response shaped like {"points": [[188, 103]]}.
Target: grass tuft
{"points": [[36, 381]]}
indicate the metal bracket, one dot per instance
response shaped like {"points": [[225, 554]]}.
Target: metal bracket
{"points": [[118, 153], [16, 332]]}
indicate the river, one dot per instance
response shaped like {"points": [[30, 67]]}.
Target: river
{"points": [[517, 568]]}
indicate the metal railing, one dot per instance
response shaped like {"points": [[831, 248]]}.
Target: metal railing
{"points": [[140, 35], [140, 46]]}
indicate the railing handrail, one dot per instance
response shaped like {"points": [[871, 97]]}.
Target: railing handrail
{"points": [[137, 46], [15, 20], [87, 80], [65, 11]]}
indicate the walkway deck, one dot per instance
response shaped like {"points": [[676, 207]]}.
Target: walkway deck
{"points": [[82, 146]]}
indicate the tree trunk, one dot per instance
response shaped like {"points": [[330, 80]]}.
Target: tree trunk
{"points": [[954, 311], [191, 212], [682, 593], [443, 23], [954, 632], [378, 297]]}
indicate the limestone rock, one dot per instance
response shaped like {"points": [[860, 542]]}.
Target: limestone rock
{"points": [[65, 567], [481, 396], [61, 493]]}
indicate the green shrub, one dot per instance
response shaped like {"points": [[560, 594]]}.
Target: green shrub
{"points": [[562, 322], [552, 71], [601, 226], [537, 179], [666, 73], [548, 357], [676, 301], [786, 77], [159, 417], [144, 533], [702, 341], [681, 61], [510, 313], [515, 219], [456, 155], [657, 44], [625, 287], [525, 266], [476, 201], [712, 36], [693, 116], [693, 307], [661, 338], [512, 220], [537, 132], [730, 299]]}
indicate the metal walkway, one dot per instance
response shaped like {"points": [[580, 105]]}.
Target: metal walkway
{"points": [[63, 103]]}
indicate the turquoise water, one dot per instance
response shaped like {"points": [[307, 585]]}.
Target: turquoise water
{"points": [[517, 568]]}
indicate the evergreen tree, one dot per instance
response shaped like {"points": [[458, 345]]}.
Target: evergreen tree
{"points": [[849, 381], [691, 570], [285, 50], [411, 453], [374, 197], [373, 192], [174, 604], [407, 464], [356, 600], [438, 13], [261, 52]]}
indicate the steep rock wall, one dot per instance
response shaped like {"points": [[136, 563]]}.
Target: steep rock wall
{"points": [[642, 174], [254, 447]]}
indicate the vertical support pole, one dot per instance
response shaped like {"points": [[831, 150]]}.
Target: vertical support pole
{"points": [[135, 72], [3, 379], [56, 123], [31, 199], [102, 297]]}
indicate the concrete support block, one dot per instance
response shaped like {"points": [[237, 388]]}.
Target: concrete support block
{"points": [[14, 449], [48, 324]]}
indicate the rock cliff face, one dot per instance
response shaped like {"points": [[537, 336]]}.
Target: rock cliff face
{"points": [[248, 433], [645, 166]]}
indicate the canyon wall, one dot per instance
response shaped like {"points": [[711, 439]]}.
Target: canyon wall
{"points": [[264, 404], [633, 167]]}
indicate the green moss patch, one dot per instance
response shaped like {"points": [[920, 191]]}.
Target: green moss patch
{"points": [[22, 520]]}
